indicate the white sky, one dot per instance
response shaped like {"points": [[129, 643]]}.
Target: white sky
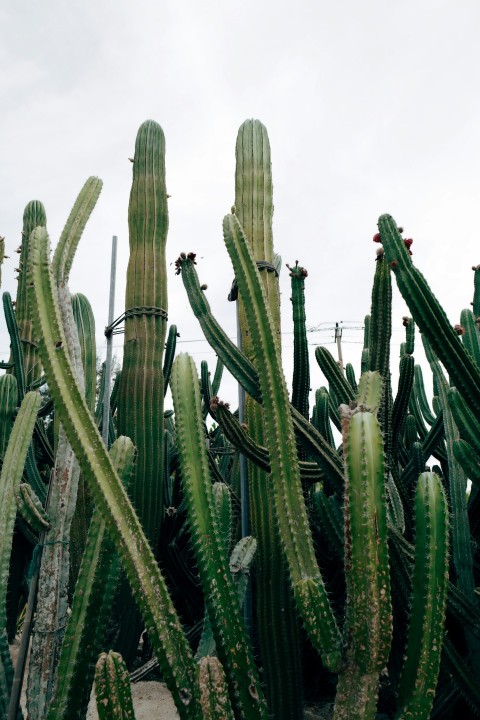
{"points": [[371, 107]]}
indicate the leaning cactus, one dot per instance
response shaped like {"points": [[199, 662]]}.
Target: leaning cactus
{"points": [[169, 642], [308, 589]]}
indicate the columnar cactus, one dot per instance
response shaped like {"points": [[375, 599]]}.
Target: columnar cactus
{"points": [[427, 612], [140, 402], [254, 209]]}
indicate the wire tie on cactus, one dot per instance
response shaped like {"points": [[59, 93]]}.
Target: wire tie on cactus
{"points": [[134, 312], [262, 265]]}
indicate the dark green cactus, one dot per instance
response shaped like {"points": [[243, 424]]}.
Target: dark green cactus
{"points": [[10, 478], [429, 315], [301, 366], [427, 612]]}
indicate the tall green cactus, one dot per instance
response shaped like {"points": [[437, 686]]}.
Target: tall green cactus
{"points": [[427, 612], [140, 402], [33, 216], [254, 208]]}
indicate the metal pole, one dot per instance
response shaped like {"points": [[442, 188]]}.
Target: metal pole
{"points": [[244, 504], [108, 361], [338, 338]]}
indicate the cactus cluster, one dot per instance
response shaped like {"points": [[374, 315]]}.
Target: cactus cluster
{"points": [[361, 564]]}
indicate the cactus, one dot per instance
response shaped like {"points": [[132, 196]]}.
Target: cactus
{"points": [[149, 588], [301, 367], [140, 402], [112, 688], [368, 622], [33, 216], [229, 631], [308, 588], [10, 477], [427, 613], [214, 699], [88, 621], [429, 315]]}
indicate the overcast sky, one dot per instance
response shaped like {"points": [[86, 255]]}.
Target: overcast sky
{"points": [[371, 107]]}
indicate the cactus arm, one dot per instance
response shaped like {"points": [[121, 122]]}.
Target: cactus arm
{"points": [[15, 344], [468, 459], [217, 376], [308, 588], [234, 432], [429, 315], [338, 384], [321, 418], [350, 375], [301, 367], [422, 396], [461, 540], [92, 601], [476, 291], [229, 631], [10, 478], [149, 588], [85, 323], [112, 688], [30, 508], [170, 348], [33, 216], [330, 518], [242, 369], [470, 335], [316, 445], [8, 406], [74, 227], [400, 405], [427, 614]]}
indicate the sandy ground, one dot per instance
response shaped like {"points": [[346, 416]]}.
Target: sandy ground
{"points": [[151, 700]]}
